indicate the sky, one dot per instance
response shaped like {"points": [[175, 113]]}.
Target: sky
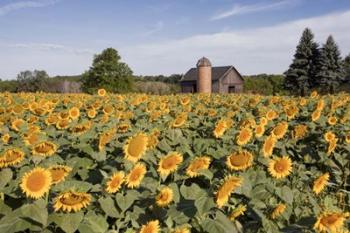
{"points": [[163, 36]]}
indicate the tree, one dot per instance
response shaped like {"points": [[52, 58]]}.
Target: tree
{"points": [[32, 81], [299, 76], [346, 68], [108, 72], [329, 74]]}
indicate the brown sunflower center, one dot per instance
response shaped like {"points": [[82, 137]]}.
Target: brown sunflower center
{"points": [[115, 182], [329, 220], [12, 156], [136, 146], [280, 166], [72, 199], [57, 174], [44, 148], [239, 159], [169, 162], [36, 181]]}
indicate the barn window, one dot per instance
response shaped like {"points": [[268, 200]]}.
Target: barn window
{"points": [[231, 89]]}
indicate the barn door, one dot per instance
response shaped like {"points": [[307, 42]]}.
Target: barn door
{"points": [[231, 89]]}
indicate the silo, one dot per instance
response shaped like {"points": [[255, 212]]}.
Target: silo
{"points": [[204, 75]]}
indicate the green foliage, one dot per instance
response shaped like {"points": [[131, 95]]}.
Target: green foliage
{"points": [[8, 85], [264, 84], [172, 79], [108, 72], [300, 72], [346, 68], [329, 72], [32, 81]]}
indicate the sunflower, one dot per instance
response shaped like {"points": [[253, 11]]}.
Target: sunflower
{"points": [[185, 100], [329, 136], [101, 92], [11, 157], [169, 163], [123, 127], [62, 123], [278, 210], [331, 146], [347, 138], [263, 121], [329, 222], [135, 176], [320, 105], [225, 190], [280, 167], [36, 182], [45, 148], [74, 113], [239, 160], [31, 139], [313, 94], [280, 130], [197, 165], [59, 173], [150, 227], [244, 136], [320, 183], [271, 114], [153, 139], [316, 115], [105, 138], [179, 121], [91, 113], [115, 181], [164, 197], [220, 128], [332, 120], [239, 211], [135, 147], [300, 131], [259, 130], [17, 124], [269, 145], [71, 201], [5, 138]]}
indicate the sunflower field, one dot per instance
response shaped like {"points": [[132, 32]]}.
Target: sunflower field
{"points": [[174, 164]]}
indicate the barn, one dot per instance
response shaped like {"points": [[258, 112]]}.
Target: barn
{"points": [[218, 79]]}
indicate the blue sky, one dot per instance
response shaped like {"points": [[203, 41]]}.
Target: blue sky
{"points": [[163, 36]]}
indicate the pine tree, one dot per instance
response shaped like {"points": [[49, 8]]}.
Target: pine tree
{"points": [[329, 74], [299, 76], [346, 68]]}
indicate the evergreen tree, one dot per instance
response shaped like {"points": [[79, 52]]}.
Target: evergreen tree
{"points": [[108, 72], [299, 76], [346, 68], [329, 73]]}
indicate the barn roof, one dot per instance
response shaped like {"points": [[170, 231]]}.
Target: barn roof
{"points": [[216, 73]]}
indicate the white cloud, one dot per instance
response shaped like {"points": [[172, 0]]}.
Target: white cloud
{"points": [[156, 28], [48, 47], [246, 9], [25, 4], [259, 50]]}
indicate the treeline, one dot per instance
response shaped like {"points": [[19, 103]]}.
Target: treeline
{"points": [[317, 68], [264, 84]]}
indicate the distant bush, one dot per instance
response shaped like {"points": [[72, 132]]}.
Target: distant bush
{"points": [[156, 88], [264, 84]]}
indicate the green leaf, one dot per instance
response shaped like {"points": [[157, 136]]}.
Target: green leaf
{"points": [[36, 212], [192, 192], [68, 222], [108, 206], [5, 177], [286, 194], [93, 223], [124, 202], [221, 224], [204, 204]]}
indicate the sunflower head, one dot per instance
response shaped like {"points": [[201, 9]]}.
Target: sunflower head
{"points": [[280, 130], [36, 182], [320, 183], [330, 222], [197, 165], [150, 227], [269, 145], [332, 120], [244, 136], [135, 147], [169, 163], [225, 190], [135, 176], [11, 157], [74, 113], [280, 167], [101, 92], [45, 148], [59, 173], [240, 160], [164, 197], [115, 182], [278, 210], [239, 211], [71, 201]]}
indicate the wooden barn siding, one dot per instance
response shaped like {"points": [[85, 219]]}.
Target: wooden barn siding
{"points": [[186, 87], [231, 79], [215, 86]]}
